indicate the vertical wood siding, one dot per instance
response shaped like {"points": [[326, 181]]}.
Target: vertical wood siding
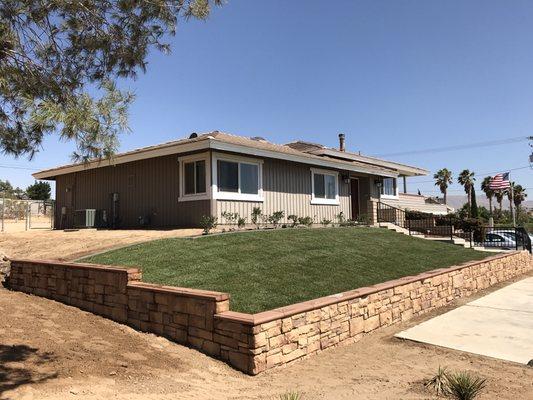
{"points": [[287, 187], [146, 188]]}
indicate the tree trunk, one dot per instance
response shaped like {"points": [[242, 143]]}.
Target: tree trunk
{"points": [[490, 205], [445, 202], [469, 195]]}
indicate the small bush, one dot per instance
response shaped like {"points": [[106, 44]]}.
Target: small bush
{"points": [[439, 382], [325, 222], [363, 219], [241, 222], [464, 385], [290, 396], [230, 218], [294, 220], [276, 217], [349, 222], [256, 215], [207, 223], [305, 221]]}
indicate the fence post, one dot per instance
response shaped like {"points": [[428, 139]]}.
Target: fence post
{"points": [[3, 209], [516, 237], [451, 228]]}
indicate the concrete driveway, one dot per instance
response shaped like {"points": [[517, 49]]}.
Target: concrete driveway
{"points": [[498, 325]]}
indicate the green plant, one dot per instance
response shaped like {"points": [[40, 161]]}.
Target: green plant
{"points": [[325, 222], [464, 385], [230, 218], [276, 217], [439, 382], [290, 396], [294, 220], [207, 223], [256, 214], [349, 222], [363, 219], [241, 222], [305, 221]]}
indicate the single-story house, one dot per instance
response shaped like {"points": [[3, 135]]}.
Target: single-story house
{"points": [[176, 183]]}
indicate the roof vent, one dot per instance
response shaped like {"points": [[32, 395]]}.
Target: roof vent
{"points": [[193, 135], [258, 139]]}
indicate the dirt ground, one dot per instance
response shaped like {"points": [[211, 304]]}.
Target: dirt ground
{"points": [[69, 245], [52, 351]]}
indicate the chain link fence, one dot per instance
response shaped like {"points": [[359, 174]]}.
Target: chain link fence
{"points": [[21, 215]]}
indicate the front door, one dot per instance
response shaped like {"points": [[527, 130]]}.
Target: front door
{"points": [[355, 197]]}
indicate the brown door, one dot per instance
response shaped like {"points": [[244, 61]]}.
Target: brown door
{"points": [[355, 197]]}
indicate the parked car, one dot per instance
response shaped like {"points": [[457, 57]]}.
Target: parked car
{"points": [[499, 240]]}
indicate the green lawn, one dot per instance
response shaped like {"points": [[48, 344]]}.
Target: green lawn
{"points": [[263, 270]]}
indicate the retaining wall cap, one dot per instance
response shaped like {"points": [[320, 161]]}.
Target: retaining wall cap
{"points": [[99, 267], [293, 309], [186, 292]]}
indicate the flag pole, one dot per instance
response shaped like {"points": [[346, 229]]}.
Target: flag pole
{"points": [[512, 200]]}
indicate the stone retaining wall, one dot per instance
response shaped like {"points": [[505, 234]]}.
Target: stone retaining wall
{"points": [[254, 343]]}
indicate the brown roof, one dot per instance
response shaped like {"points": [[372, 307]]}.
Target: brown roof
{"points": [[301, 150]]}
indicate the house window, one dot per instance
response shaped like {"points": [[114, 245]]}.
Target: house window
{"points": [[325, 187], [194, 177], [238, 178], [388, 187]]}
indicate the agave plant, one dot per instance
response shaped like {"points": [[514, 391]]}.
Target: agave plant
{"points": [[464, 385], [439, 382], [290, 396]]}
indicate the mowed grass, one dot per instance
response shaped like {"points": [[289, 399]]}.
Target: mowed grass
{"points": [[263, 270]]}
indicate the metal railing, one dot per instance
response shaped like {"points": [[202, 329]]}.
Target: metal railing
{"points": [[416, 223], [446, 227]]}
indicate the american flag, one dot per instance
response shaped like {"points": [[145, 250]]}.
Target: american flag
{"points": [[500, 181]]}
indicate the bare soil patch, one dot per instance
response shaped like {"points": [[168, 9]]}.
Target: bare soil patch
{"points": [[53, 351], [70, 245]]}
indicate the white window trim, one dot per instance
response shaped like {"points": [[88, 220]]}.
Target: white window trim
{"points": [[391, 196], [320, 201], [196, 196], [237, 196]]}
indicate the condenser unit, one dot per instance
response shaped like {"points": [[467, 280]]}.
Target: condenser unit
{"points": [[90, 218]]}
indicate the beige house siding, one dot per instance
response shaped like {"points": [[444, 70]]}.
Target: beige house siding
{"points": [[287, 187]]}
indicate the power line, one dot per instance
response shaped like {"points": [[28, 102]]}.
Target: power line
{"points": [[459, 147], [17, 167]]}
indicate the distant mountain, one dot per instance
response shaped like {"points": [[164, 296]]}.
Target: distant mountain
{"points": [[458, 201]]}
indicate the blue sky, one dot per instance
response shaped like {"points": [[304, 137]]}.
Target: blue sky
{"points": [[394, 76]]}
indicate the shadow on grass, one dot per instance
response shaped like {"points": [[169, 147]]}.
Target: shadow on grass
{"points": [[19, 365]]}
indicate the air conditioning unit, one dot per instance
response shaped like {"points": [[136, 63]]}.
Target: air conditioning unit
{"points": [[90, 218]]}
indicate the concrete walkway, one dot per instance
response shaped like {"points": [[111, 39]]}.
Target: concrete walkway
{"points": [[498, 325]]}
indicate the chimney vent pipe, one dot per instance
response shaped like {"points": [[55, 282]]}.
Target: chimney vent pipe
{"points": [[342, 146]]}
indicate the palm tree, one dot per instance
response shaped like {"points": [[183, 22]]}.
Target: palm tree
{"points": [[510, 193], [443, 178], [499, 197], [519, 196], [466, 179], [485, 186]]}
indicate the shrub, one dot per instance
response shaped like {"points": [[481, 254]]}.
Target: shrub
{"points": [[276, 217], [241, 222], [465, 386], [305, 221], [256, 214], [363, 219], [290, 396], [294, 220], [207, 223], [325, 221], [231, 218], [439, 382]]}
